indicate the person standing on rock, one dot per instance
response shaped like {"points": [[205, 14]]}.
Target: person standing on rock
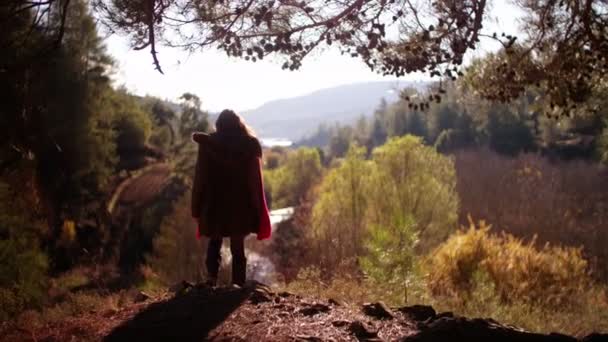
{"points": [[228, 192]]}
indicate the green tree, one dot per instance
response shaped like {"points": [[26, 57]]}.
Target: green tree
{"points": [[411, 180], [292, 181], [416, 124], [340, 141], [177, 255], [132, 127], [389, 258], [508, 132], [163, 118], [337, 224], [441, 117], [55, 115], [378, 134], [23, 266], [192, 118], [397, 124]]}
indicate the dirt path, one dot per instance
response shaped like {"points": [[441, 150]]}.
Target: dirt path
{"points": [[141, 186]]}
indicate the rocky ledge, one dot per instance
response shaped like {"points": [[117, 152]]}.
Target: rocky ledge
{"points": [[256, 313]]}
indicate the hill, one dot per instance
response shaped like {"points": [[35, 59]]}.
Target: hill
{"points": [[256, 313], [293, 118]]}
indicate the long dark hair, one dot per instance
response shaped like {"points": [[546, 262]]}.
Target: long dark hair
{"points": [[230, 123]]}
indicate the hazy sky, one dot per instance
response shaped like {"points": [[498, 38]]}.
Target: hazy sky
{"points": [[223, 82]]}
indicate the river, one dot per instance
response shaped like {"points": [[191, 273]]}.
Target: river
{"points": [[259, 267]]}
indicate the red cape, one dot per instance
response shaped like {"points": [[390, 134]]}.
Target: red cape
{"points": [[264, 228]]}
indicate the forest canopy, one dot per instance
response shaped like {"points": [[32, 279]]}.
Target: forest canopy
{"points": [[560, 49]]}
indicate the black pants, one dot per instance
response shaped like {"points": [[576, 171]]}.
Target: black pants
{"points": [[239, 262]]}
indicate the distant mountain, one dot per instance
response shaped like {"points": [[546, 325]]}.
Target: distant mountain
{"points": [[294, 118]]}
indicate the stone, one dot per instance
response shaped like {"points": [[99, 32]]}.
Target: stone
{"points": [[109, 313], [141, 297], [340, 323], [181, 286], [334, 302], [362, 331], [459, 329], [448, 314], [418, 313], [308, 338], [259, 296], [595, 337], [314, 309], [378, 310], [285, 294]]}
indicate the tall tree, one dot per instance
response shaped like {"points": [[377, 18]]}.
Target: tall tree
{"points": [[54, 114]]}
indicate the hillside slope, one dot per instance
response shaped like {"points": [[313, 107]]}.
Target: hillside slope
{"points": [[256, 313], [295, 117]]}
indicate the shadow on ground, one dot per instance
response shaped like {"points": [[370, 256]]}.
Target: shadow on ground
{"points": [[186, 317]]}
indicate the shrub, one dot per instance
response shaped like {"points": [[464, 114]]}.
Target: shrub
{"points": [[23, 266], [289, 248], [390, 256], [342, 286], [549, 276], [177, 254]]}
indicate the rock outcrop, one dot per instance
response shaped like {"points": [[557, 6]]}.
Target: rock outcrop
{"points": [[194, 312]]}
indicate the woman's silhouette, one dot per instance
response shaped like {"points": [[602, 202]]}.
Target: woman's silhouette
{"points": [[227, 194]]}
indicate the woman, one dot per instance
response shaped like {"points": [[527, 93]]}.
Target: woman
{"points": [[227, 194]]}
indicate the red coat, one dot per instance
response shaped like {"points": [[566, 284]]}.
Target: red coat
{"points": [[228, 190]]}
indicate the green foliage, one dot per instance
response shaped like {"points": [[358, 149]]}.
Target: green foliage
{"points": [[411, 180], [378, 134], [177, 254], [416, 124], [163, 135], [403, 183], [56, 115], [161, 138], [508, 132], [397, 120], [290, 183], [389, 257], [463, 120], [133, 126], [603, 143], [338, 215], [517, 272], [340, 141], [191, 119], [441, 118], [23, 265]]}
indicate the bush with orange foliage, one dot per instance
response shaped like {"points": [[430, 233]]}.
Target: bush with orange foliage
{"points": [[550, 276]]}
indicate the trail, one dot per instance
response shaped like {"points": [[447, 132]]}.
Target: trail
{"points": [[142, 185]]}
